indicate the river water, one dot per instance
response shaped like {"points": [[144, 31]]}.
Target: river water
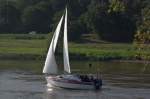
{"points": [[121, 80]]}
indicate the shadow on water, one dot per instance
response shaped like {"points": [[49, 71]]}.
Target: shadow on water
{"points": [[23, 80]]}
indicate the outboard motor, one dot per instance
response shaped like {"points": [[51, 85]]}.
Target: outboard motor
{"points": [[97, 83]]}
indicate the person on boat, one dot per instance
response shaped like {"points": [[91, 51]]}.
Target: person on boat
{"points": [[84, 78], [98, 80], [91, 77]]}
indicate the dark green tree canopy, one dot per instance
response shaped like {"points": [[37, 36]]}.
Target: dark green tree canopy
{"points": [[37, 17], [9, 17], [111, 20]]}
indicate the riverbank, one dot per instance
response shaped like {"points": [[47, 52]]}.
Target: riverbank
{"points": [[34, 47]]}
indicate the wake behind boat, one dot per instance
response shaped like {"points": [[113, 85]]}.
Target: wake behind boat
{"points": [[69, 80]]}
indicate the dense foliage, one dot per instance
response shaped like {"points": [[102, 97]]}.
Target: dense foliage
{"points": [[111, 20], [142, 37], [143, 33]]}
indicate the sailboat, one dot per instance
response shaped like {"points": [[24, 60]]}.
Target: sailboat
{"points": [[71, 81]]}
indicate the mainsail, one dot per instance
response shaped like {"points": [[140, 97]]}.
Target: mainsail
{"points": [[65, 48], [50, 63]]}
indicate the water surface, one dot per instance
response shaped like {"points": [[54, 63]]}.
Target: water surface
{"points": [[23, 80]]}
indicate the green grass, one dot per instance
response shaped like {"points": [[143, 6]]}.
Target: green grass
{"points": [[106, 51], [17, 46], [22, 46], [25, 46]]}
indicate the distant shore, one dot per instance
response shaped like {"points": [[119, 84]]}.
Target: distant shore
{"points": [[73, 57], [34, 47]]}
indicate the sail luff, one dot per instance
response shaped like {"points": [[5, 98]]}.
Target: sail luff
{"points": [[50, 63], [65, 48], [57, 33]]}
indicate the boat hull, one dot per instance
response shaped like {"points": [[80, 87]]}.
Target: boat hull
{"points": [[69, 84]]}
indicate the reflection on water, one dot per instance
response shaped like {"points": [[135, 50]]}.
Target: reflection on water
{"points": [[26, 84]]}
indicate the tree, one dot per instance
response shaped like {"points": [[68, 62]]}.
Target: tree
{"points": [[110, 20], [25, 3], [116, 6], [38, 17], [95, 14], [143, 33], [75, 31], [77, 7], [142, 37], [9, 17], [58, 5]]}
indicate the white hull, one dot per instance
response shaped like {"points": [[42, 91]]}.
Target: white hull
{"points": [[69, 85]]}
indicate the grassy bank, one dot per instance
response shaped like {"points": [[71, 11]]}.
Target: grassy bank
{"points": [[25, 46]]}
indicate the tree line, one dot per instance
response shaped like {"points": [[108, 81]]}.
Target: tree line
{"points": [[111, 20]]}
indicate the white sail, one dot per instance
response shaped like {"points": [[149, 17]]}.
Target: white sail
{"points": [[50, 63], [65, 48]]}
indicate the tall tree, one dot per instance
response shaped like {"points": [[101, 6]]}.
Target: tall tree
{"points": [[142, 37], [110, 20], [143, 33], [9, 17], [38, 17]]}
